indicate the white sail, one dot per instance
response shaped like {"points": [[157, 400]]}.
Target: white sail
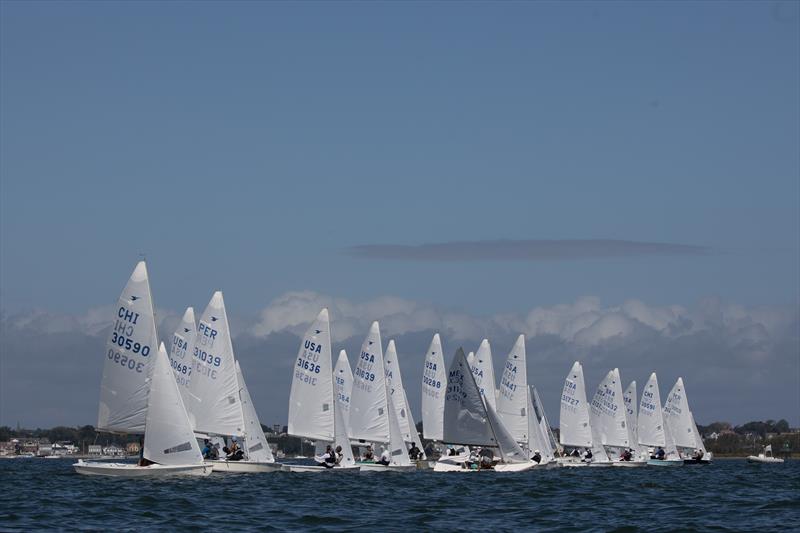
{"points": [[510, 451], [255, 442], [537, 439], [547, 430], [434, 384], [180, 352], [130, 349], [651, 421], [369, 420], [678, 417], [168, 439], [394, 384], [471, 358], [341, 437], [397, 444], [483, 371], [343, 382], [512, 403], [311, 399], [670, 449], [574, 428], [465, 418], [414, 433], [608, 412], [213, 393], [698, 439], [631, 416]]}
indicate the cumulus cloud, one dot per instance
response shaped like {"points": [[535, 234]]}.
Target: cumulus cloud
{"points": [[739, 362], [523, 250]]}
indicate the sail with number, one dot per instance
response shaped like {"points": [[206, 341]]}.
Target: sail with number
{"points": [[180, 352], [394, 383], [434, 384], [651, 421], [629, 398], [483, 371], [608, 412], [678, 417], [168, 439], [343, 381], [213, 393], [670, 449], [575, 429], [369, 420], [255, 442], [311, 400], [131, 348], [512, 402], [465, 418]]}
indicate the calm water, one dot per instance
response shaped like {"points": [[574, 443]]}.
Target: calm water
{"points": [[729, 495]]}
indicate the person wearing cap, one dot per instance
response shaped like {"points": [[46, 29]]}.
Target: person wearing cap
{"points": [[328, 459], [537, 457]]}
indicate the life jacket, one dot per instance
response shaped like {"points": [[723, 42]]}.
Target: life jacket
{"points": [[331, 457]]}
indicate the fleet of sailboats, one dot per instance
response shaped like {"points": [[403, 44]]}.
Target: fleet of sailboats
{"points": [[197, 392]]}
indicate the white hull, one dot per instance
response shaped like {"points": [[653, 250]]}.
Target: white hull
{"points": [[603, 464], [665, 462], [375, 467], [318, 469], [447, 466], [763, 459], [629, 464], [569, 462], [243, 467], [134, 470]]}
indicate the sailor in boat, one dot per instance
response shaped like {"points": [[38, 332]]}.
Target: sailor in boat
{"points": [[698, 455], [206, 451], [660, 454], [575, 453], [369, 455], [386, 457], [487, 459], [234, 453], [626, 455], [537, 457], [414, 452], [328, 459], [587, 457], [473, 461]]}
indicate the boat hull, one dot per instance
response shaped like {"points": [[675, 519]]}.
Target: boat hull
{"points": [[765, 460], [604, 464], [244, 467], [317, 469], [448, 466], [375, 467], [629, 464], [696, 462], [665, 462], [131, 470]]}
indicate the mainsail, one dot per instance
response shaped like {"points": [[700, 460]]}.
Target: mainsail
{"points": [[651, 421], [608, 412], [465, 418], [168, 439], [574, 429], [369, 420], [512, 402], [434, 383], [394, 383], [213, 393], [483, 372], [130, 349], [180, 352], [311, 400], [343, 382], [678, 417]]}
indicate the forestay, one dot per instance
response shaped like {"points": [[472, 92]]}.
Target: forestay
{"points": [[651, 421], [130, 349], [394, 384], [168, 439], [465, 418], [483, 371], [213, 393], [180, 352], [311, 400], [574, 420], [369, 420], [255, 442], [434, 384], [343, 384], [678, 417], [512, 402]]}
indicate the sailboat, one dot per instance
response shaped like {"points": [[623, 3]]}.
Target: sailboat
{"points": [[470, 419], [397, 393], [766, 456], [551, 443], [216, 394], [680, 421], [609, 424], [513, 400], [639, 457], [703, 456], [652, 430], [180, 350], [373, 417], [537, 440], [343, 384], [139, 393], [314, 412], [575, 430], [434, 384]]}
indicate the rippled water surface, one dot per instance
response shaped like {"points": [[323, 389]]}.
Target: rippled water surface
{"points": [[729, 495]]}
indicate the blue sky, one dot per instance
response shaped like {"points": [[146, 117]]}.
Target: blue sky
{"points": [[248, 146]]}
